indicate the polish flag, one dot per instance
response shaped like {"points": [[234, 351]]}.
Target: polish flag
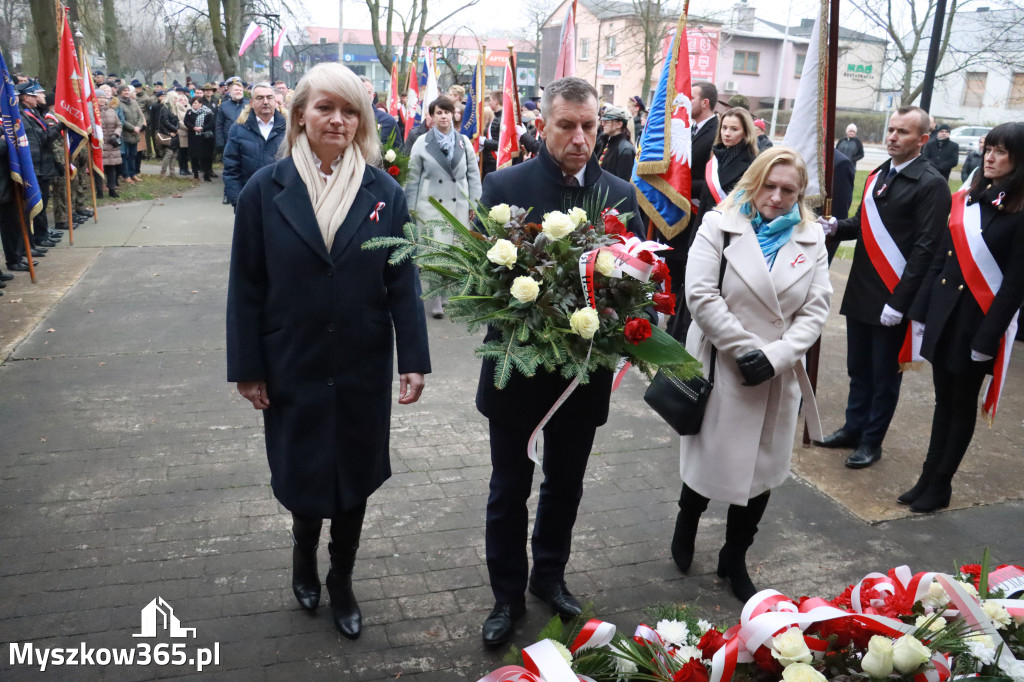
{"points": [[393, 102], [251, 34], [279, 45], [566, 64]]}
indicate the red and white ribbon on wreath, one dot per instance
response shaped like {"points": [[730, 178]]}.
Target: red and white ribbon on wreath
{"points": [[713, 183], [984, 277], [375, 213], [543, 662], [625, 262], [971, 610], [885, 256], [594, 635]]}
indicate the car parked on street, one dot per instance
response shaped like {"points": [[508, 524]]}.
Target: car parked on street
{"points": [[967, 137]]}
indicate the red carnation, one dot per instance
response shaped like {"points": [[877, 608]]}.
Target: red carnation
{"points": [[766, 662], [646, 257], [637, 330], [665, 303], [712, 641], [612, 225], [660, 272], [393, 171], [693, 671]]}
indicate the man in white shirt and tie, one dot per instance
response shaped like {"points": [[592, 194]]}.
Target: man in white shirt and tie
{"points": [[253, 141]]}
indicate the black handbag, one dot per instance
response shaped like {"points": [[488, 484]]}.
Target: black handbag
{"points": [[682, 403]]}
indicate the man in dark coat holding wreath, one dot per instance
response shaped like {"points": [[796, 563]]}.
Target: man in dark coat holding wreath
{"points": [[562, 176]]}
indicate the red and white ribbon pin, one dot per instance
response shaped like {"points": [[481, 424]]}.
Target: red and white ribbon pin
{"points": [[798, 260], [375, 214]]}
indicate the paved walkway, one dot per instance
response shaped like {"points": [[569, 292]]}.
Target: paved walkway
{"points": [[130, 470]]}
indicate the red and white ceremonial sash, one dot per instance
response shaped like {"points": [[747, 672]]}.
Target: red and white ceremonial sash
{"points": [[983, 277], [714, 184], [884, 254]]}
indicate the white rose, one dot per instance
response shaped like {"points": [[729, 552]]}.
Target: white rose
{"points": [[790, 647], [908, 654], [525, 289], [556, 225], [503, 253], [389, 156], [801, 672], [936, 624], [585, 322], [500, 214], [673, 631], [578, 216], [877, 662], [998, 613], [605, 263]]}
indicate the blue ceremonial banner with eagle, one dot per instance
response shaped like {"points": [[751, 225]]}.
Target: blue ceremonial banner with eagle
{"points": [[18, 154], [661, 173]]}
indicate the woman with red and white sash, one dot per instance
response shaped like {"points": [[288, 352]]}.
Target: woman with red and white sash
{"points": [[968, 304], [734, 150]]}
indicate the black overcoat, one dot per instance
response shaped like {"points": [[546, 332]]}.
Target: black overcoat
{"points": [[949, 310], [537, 185], [321, 328], [915, 210], [619, 154], [728, 176]]}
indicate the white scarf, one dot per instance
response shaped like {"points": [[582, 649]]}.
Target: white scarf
{"points": [[331, 198]]}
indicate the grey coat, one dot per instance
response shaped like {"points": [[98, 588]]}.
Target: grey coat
{"points": [[455, 185]]}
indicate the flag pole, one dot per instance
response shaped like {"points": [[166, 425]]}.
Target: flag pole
{"points": [[92, 131], [67, 189], [481, 61], [829, 124], [24, 232], [516, 115]]}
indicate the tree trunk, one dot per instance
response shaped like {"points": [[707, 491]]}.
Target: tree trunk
{"points": [[44, 25], [225, 32], [110, 39]]}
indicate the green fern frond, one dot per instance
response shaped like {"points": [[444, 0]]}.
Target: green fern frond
{"points": [[386, 243]]}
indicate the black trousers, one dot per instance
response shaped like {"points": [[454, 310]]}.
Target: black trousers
{"points": [[10, 232], [872, 361], [566, 452], [956, 413], [40, 224]]}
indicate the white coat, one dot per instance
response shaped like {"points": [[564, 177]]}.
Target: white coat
{"points": [[456, 185], [746, 440]]}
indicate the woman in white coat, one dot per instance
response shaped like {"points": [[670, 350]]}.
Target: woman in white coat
{"points": [[770, 308], [442, 165]]}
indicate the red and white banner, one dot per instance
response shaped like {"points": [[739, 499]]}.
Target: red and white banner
{"points": [[394, 103], [279, 43], [96, 124], [68, 105], [805, 132], [566, 64], [508, 140], [251, 34], [984, 277]]}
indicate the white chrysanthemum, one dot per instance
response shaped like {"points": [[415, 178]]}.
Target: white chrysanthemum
{"points": [[986, 655], [936, 597], [998, 613], [622, 665], [704, 626], [685, 653], [673, 632], [935, 625], [1015, 669], [968, 588]]}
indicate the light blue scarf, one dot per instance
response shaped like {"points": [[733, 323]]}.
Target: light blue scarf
{"points": [[771, 236]]}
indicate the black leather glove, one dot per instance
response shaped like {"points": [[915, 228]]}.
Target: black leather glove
{"points": [[755, 368]]}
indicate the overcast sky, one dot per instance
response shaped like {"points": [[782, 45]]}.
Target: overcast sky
{"points": [[497, 17]]}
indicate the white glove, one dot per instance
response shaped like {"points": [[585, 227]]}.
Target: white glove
{"points": [[828, 225], [890, 317], [979, 357], [520, 130]]}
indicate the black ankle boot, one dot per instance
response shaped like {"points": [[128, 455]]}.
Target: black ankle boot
{"points": [[344, 607], [911, 495], [691, 505], [305, 578], [936, 496], [740, 529]]}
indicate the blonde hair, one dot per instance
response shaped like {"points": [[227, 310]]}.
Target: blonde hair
{"points": [[746, 122], [341, 81], [757, 175]]}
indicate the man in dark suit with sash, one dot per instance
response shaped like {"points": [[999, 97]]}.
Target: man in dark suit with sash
{"points": [[901, 220], [562, 176]]}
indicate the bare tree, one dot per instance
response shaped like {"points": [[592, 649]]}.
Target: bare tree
{"points": [[13, 18], [535, 13], [110, 36], [44, 26], [908, 24], [414, 29]]}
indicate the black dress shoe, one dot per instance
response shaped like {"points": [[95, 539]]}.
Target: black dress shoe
{"points": [[557, 596], [6, 277], [87, 212], [54, 235], [226, 201], [38, 252], [3, 284], [501, 623], [18, 267], [214, 175], [864, 456], [840, 438], [46, 243]]}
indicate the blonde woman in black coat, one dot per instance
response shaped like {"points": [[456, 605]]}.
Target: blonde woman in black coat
{"points": [[981, 263], [313, 321]]}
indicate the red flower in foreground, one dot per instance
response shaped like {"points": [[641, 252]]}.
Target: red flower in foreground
{"points": [[660, 272], [637, 330], [766, 662], [693, 671], [393, 171], [712, 641], [647, 257], [665, 303], [612, 225]]}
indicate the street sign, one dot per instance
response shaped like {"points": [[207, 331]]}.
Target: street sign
{"points": [[287, 65]]}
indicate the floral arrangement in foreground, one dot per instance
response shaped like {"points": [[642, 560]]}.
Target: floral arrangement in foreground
{"points": [[893, 627], [569, 295], [394, 161]]}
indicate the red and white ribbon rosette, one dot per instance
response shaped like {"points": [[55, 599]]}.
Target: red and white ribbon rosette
{"points": [[543, 662]]}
